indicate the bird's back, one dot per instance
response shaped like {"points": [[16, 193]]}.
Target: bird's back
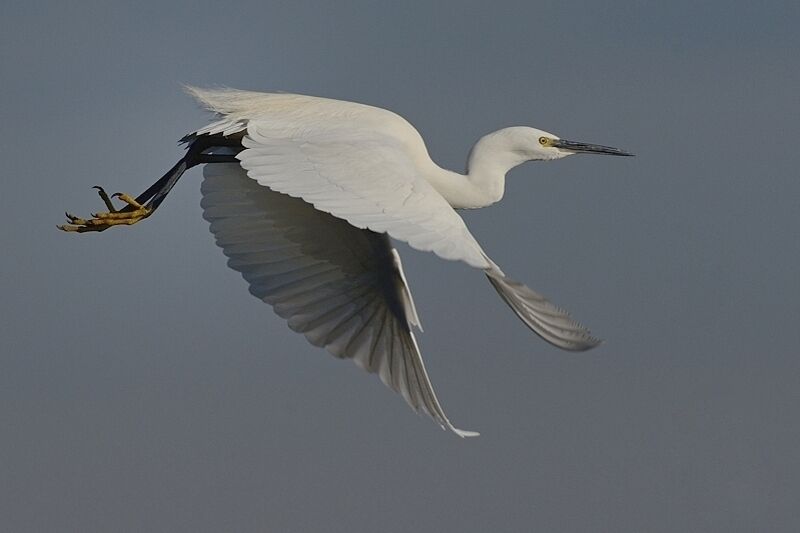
{"points": [[296, 115]]}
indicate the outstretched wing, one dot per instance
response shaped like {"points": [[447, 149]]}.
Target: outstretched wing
{"points": [[354, 161], [373, 184], [340, 286], [362, 164]]}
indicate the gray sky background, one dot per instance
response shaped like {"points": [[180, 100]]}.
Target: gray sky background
{"points": [[143, 389]]}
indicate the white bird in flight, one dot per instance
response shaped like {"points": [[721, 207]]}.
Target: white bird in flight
{"points": [[303, 195]]}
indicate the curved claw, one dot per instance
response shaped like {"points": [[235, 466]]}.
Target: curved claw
{"points": [[106, 200], [113, 217]]}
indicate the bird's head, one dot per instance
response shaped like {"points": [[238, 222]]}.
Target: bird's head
{"points": [[532, 144]]}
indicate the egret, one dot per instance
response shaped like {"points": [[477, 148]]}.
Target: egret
{"points": [[303, 194]]}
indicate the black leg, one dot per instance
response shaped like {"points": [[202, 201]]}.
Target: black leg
{"points": [[156, 193], [164, 185], [146, 203]]}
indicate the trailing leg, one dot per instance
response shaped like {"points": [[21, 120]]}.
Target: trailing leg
{"points": [[144, 205]]}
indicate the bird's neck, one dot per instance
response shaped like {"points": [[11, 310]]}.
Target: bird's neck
{"points": [[485, 181]]}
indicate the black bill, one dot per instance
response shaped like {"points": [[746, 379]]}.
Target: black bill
{"points": [[584, 148]]}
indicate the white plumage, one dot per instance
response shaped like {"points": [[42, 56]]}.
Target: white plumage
{"points": [[303, 194], [338, 177]]}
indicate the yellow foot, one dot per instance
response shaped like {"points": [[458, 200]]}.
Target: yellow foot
{"points": [[113, 217]]}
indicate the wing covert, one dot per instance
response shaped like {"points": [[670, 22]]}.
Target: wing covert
{"points": [[366, 178]]}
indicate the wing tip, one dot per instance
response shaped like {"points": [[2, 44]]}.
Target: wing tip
{"points": [[464, 433], [584, 344], [589, 343], [551, 323]]}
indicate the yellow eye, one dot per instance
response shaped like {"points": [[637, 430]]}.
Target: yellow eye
{"points": [[544, 141]]}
